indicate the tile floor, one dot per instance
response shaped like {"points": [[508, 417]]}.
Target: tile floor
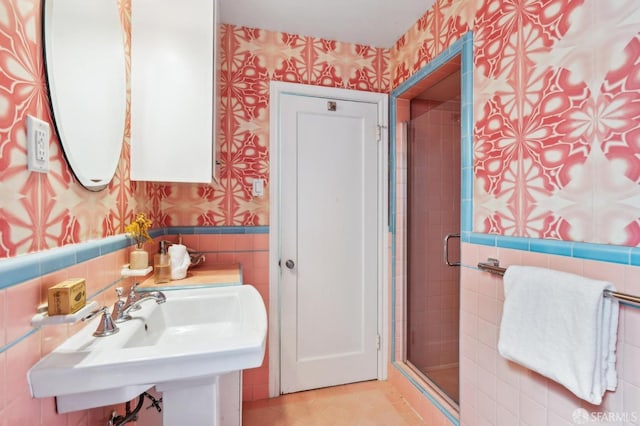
{"points": [[360, 404]]}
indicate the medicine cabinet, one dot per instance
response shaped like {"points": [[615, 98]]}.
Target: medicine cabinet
{"points": [[174, 46]]}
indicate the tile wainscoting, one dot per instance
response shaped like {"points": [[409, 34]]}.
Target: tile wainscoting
{"points": [[24, 284]]}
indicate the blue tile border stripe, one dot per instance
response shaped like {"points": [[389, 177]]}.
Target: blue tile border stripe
{"points": [[589, 251], [602, 252], [216, 230], [14, 270], [549, 247]]}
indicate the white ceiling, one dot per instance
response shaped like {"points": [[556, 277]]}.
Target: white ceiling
{"points": [[378, 23]]}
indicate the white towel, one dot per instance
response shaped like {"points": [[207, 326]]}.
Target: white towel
{"points": [[561, 326]]}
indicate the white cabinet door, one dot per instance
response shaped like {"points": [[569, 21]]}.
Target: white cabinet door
{"points": [[173, 99]]}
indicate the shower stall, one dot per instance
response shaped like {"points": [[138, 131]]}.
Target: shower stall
{"points": [[432, 291]]}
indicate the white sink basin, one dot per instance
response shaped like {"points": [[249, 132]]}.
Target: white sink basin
{"points": [[194, 337]]}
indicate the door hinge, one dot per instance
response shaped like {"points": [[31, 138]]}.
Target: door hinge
{"points": [[377, 341], [379, 129]]}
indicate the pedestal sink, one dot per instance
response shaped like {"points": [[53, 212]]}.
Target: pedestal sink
{"points": [[181, 347]]}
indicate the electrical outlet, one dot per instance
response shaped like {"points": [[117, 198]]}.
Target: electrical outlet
{"points": [[38, 135]]}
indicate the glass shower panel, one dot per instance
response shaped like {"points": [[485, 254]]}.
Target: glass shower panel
{"points": [[433, 204]]}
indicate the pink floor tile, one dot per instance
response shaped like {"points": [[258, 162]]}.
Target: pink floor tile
{"points": [[367, 403]]}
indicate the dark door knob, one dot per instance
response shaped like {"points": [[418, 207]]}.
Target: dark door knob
{"points": [[290, 264]]}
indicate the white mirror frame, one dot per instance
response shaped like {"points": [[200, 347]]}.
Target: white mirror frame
{"points": [[86, 77]]}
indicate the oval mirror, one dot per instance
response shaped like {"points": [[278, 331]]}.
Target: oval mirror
{"points": [[86, 78]]}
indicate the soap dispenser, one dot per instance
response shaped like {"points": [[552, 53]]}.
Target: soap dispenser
{"points": [[162, 265]]}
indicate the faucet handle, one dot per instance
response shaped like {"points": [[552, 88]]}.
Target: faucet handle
{"points": [[106, 326], [118, 307], [132, 292], [133, 296], [119, 314], [91, 315]]}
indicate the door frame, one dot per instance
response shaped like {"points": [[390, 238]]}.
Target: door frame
{"points": [[462, 48], [277, 89]]}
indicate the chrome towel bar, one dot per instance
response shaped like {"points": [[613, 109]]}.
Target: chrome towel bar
{"points": [[493, 266]]}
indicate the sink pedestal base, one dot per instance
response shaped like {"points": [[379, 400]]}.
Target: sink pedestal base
{"points": [[191, 402]]}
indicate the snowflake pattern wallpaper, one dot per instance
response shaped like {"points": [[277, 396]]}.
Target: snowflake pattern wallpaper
{"points": [[556, 113]]}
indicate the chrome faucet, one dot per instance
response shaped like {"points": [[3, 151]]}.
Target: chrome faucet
{"points": [[122, 307], [106, 326]]}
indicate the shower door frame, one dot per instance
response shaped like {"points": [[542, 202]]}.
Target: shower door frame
{"points": [[439, 67]]}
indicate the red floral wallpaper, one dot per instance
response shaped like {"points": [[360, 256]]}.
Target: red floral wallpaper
{"points": [[39, 211], [557, 109], [556, 104], [556, 150]]}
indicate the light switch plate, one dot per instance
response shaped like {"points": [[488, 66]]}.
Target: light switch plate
{"points": [[258, 188], [38, 135]]}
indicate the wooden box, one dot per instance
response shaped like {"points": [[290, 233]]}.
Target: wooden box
{"points": [[67, 297]]}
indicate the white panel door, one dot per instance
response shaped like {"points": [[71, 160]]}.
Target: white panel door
{"points": [[329, 238]]}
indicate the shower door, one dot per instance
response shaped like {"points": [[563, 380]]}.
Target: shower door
{"points": [[433, 206]]}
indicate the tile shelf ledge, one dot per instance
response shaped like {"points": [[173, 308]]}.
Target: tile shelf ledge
{"points": [[126, 272], [43, 319]]}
